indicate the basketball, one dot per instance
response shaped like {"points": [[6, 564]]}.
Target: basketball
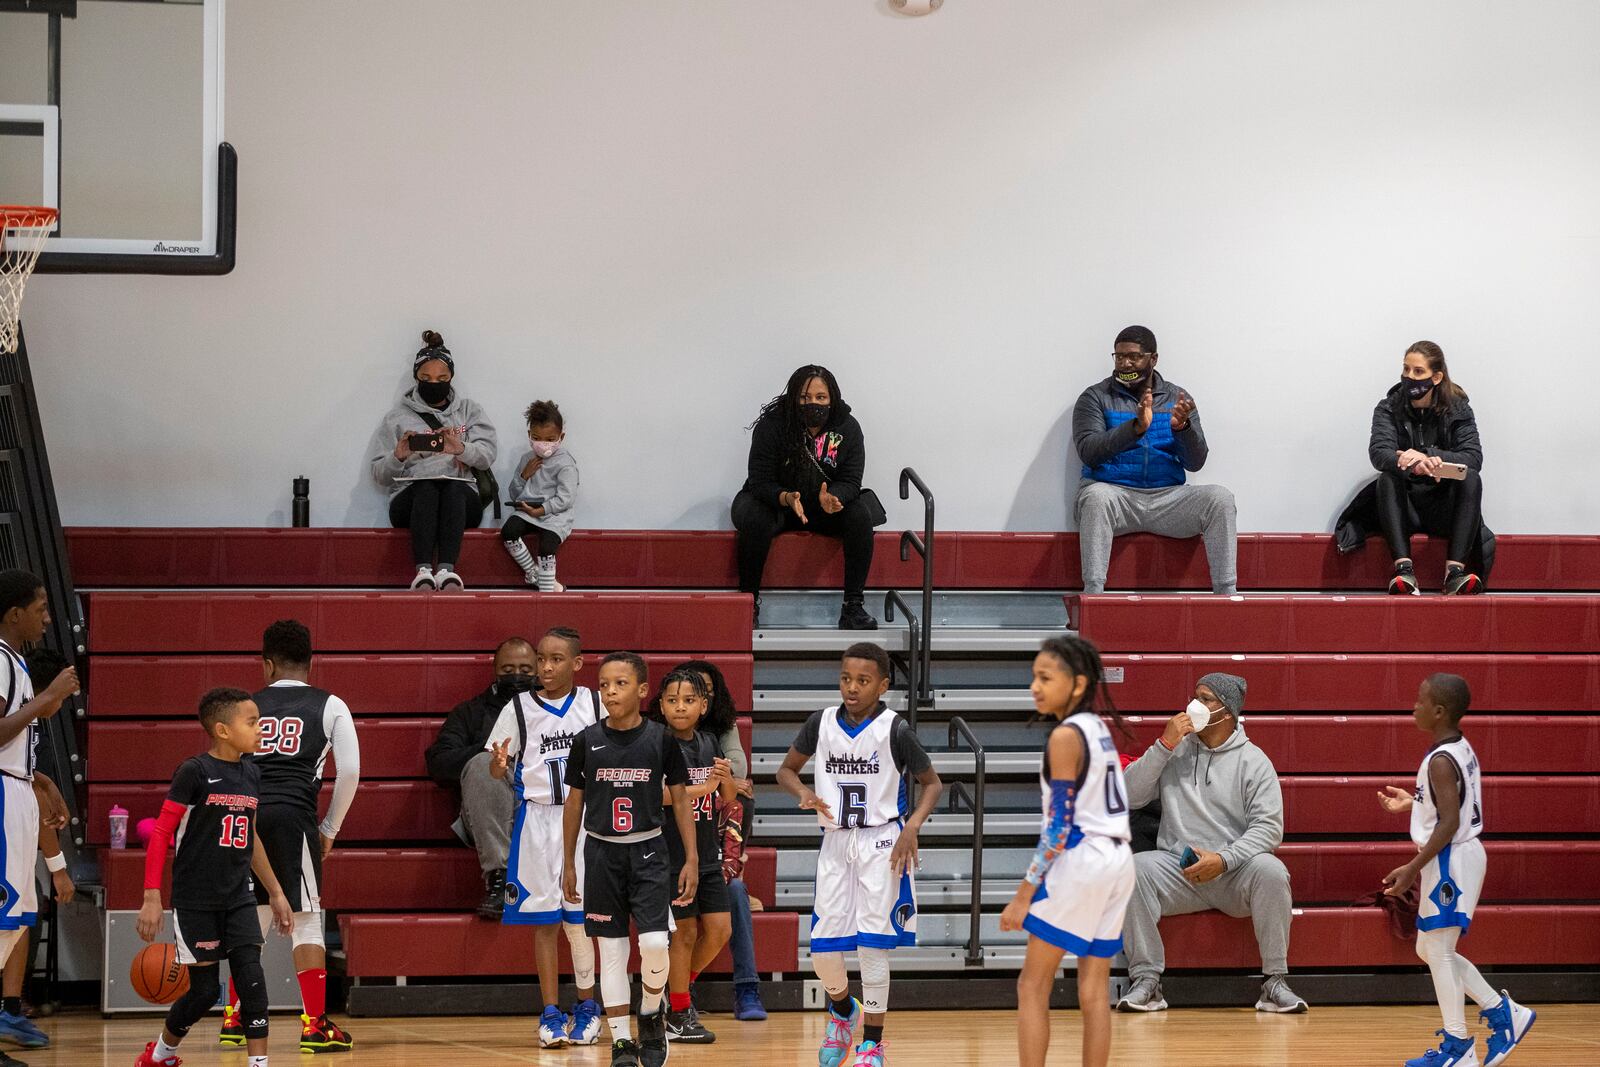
{"points": [[156, 974]]}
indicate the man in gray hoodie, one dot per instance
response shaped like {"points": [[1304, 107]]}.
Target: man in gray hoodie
{"points": [[1219, 797]]}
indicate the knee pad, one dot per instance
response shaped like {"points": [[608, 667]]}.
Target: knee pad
{"points": [[582, 955], [614, 985], [829, 967], [874, 979], [653, 942], [250, 981], [307, 929], [654, 961], [204, 989]]}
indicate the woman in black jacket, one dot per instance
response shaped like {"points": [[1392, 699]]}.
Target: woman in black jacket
{"points": [[1423, 424], [807, 455]]}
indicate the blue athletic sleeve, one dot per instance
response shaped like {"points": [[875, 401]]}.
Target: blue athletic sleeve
{"points": [[1056, 836]]}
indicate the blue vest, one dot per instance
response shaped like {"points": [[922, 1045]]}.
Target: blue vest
{"points": [[1154, 462]]}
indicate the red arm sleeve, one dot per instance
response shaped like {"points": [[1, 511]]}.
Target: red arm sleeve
{"points": [[155, 856]]}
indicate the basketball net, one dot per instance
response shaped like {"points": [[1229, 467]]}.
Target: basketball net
{"points": [[22, 234]]}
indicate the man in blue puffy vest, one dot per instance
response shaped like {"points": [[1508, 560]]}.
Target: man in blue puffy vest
{"points": [[1138, 434]]}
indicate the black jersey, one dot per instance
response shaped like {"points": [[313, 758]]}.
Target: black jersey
{"points": [[699, 752], [217, 836], [621, 773], [294, 745]]}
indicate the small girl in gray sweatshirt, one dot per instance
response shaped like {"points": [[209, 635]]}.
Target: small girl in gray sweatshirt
{"points": [[544, 489]]}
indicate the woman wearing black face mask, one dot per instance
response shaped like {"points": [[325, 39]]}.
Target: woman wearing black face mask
{"points": [[430, 445], [1423, 424], [807, 455]]}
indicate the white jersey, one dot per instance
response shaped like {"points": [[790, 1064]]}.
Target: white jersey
{"points": [[1425, 809], [16, 756], [855, 773], [541, 734], [1101, 806]]}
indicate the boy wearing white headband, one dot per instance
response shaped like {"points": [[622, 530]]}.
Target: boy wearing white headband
{"points": [[1220, 798]]}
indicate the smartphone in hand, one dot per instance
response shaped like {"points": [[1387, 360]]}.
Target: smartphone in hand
{"points": [[425, 442], [1188, 859]]}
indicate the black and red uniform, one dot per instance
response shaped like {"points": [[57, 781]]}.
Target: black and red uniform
{"points": [[700, 753], [213, 803]]}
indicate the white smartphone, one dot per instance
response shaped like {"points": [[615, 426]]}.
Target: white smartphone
{"points": [[1455, 471]]}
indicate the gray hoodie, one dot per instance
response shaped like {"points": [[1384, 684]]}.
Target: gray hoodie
{"points": [[1225, 800], [556, 482], [477, 435]]}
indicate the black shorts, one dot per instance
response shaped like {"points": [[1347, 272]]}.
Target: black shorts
{"points": [[710, 898], [294, 848], [626, 881], [206, 935]]}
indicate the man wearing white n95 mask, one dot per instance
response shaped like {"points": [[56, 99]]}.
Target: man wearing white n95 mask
{"points": [[1220, 798]]}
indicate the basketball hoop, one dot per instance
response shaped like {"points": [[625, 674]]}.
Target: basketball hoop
{"points": [[22, 234]]}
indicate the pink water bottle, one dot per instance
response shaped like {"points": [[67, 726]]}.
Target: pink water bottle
{"points": [[119, 826]]}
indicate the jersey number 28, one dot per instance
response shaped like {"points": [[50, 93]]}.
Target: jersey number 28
{"points": [[281, 735]]}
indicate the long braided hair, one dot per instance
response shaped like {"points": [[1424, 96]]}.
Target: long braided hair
{"points": [[786, 405], [1081, 657], [694, 680]]}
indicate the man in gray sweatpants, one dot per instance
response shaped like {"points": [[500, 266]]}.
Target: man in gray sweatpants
{"points": [[1220, 797], [1139, 437]]}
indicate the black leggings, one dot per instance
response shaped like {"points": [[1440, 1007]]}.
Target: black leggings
{"points": [[759, 521], [1447, 509], [205, 986], [437, 512], [517, 527]]}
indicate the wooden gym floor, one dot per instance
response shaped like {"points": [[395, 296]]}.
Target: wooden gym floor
{"points": [[1565, 1036]]}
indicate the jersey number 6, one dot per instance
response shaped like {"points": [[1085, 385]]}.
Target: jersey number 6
{"points": [[852, 804], [622, 815]]}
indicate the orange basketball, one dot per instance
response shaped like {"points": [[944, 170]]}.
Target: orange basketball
{"points": [[156, 974]]}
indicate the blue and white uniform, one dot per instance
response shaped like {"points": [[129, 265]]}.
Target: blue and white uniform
{"points": [[1453, 880], [19, 810], [541, 734], [1080, 904], [860, 772]]}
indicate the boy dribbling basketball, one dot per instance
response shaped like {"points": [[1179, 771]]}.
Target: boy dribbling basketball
{"points": [[1446, 822], [536, 730], [616, 770], [211, 809]]}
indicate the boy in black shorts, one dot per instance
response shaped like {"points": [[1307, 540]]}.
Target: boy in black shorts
{"points": [[615, 773], [705, 924], [213, 800]]}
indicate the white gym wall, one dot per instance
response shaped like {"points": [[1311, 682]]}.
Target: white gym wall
{"points": [[653, 212]]}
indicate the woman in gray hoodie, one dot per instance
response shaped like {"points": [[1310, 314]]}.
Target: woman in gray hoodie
{"points": [[439, 440]]}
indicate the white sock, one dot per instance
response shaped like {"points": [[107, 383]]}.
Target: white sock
{"points": [[257, 1061], [165, 1051], [582, 956], [546, 574], [620, 1030], [521, 557]]}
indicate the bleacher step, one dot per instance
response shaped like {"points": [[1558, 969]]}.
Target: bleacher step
{"points": [[986, 640]]}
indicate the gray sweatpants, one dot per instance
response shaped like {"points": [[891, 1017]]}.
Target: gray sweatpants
{"points": [[1106, 511], [487, 808], [1259, 889]]}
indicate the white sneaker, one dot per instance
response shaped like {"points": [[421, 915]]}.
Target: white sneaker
{"points": [[448, 579], [1278, 998], [1144, 995], [546, 575], [424, 579]]}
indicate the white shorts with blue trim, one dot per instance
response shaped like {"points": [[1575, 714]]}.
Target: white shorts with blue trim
{"points": [[859, 902], [1451, 884], [1081, 905], [19, 813], [533, 870]]}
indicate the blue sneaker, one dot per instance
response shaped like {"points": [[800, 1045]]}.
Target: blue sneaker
{"points": [[836, 1040], [20, 1031], [872, 1054], [747, 1006], [585, 1028], [553, 1027], [1510, 1023], [1452, 1052]]}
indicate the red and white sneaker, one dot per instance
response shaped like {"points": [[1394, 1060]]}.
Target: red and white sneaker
{"points": [[148, 1058]]}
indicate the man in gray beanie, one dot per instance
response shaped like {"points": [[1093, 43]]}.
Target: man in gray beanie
{"points": [[1139, 437], [1219, 797]]}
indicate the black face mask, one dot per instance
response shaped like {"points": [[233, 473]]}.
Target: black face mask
{"points": [[433, 393], [1416, 389], [815, 414], [509, 685]]}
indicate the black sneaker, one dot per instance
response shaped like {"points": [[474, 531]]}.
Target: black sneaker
{"points": [[653, 1039], [1458, 581], [1404, 582], [854, 617], [755, 611], [685, 1026], [624, 1054], [494, 894]]}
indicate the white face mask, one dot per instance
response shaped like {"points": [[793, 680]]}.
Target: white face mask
{"points": [[1199, 715]]}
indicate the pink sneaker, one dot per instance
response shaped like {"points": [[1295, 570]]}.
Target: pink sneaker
{"points": [[872, 1054]]}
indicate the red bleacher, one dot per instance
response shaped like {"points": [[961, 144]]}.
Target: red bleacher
{"points": [[108, 557]]}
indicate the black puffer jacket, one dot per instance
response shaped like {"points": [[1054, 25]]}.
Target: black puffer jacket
{"points": [[838, 457], [1452, 435]]}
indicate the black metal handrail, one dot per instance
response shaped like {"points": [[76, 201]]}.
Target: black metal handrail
{"points": [[923, 546], [959, 731], [913, 663]]}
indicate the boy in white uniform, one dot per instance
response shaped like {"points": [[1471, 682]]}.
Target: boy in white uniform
{"points": [[1446, 821], [865, 900], [530, 740]]}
